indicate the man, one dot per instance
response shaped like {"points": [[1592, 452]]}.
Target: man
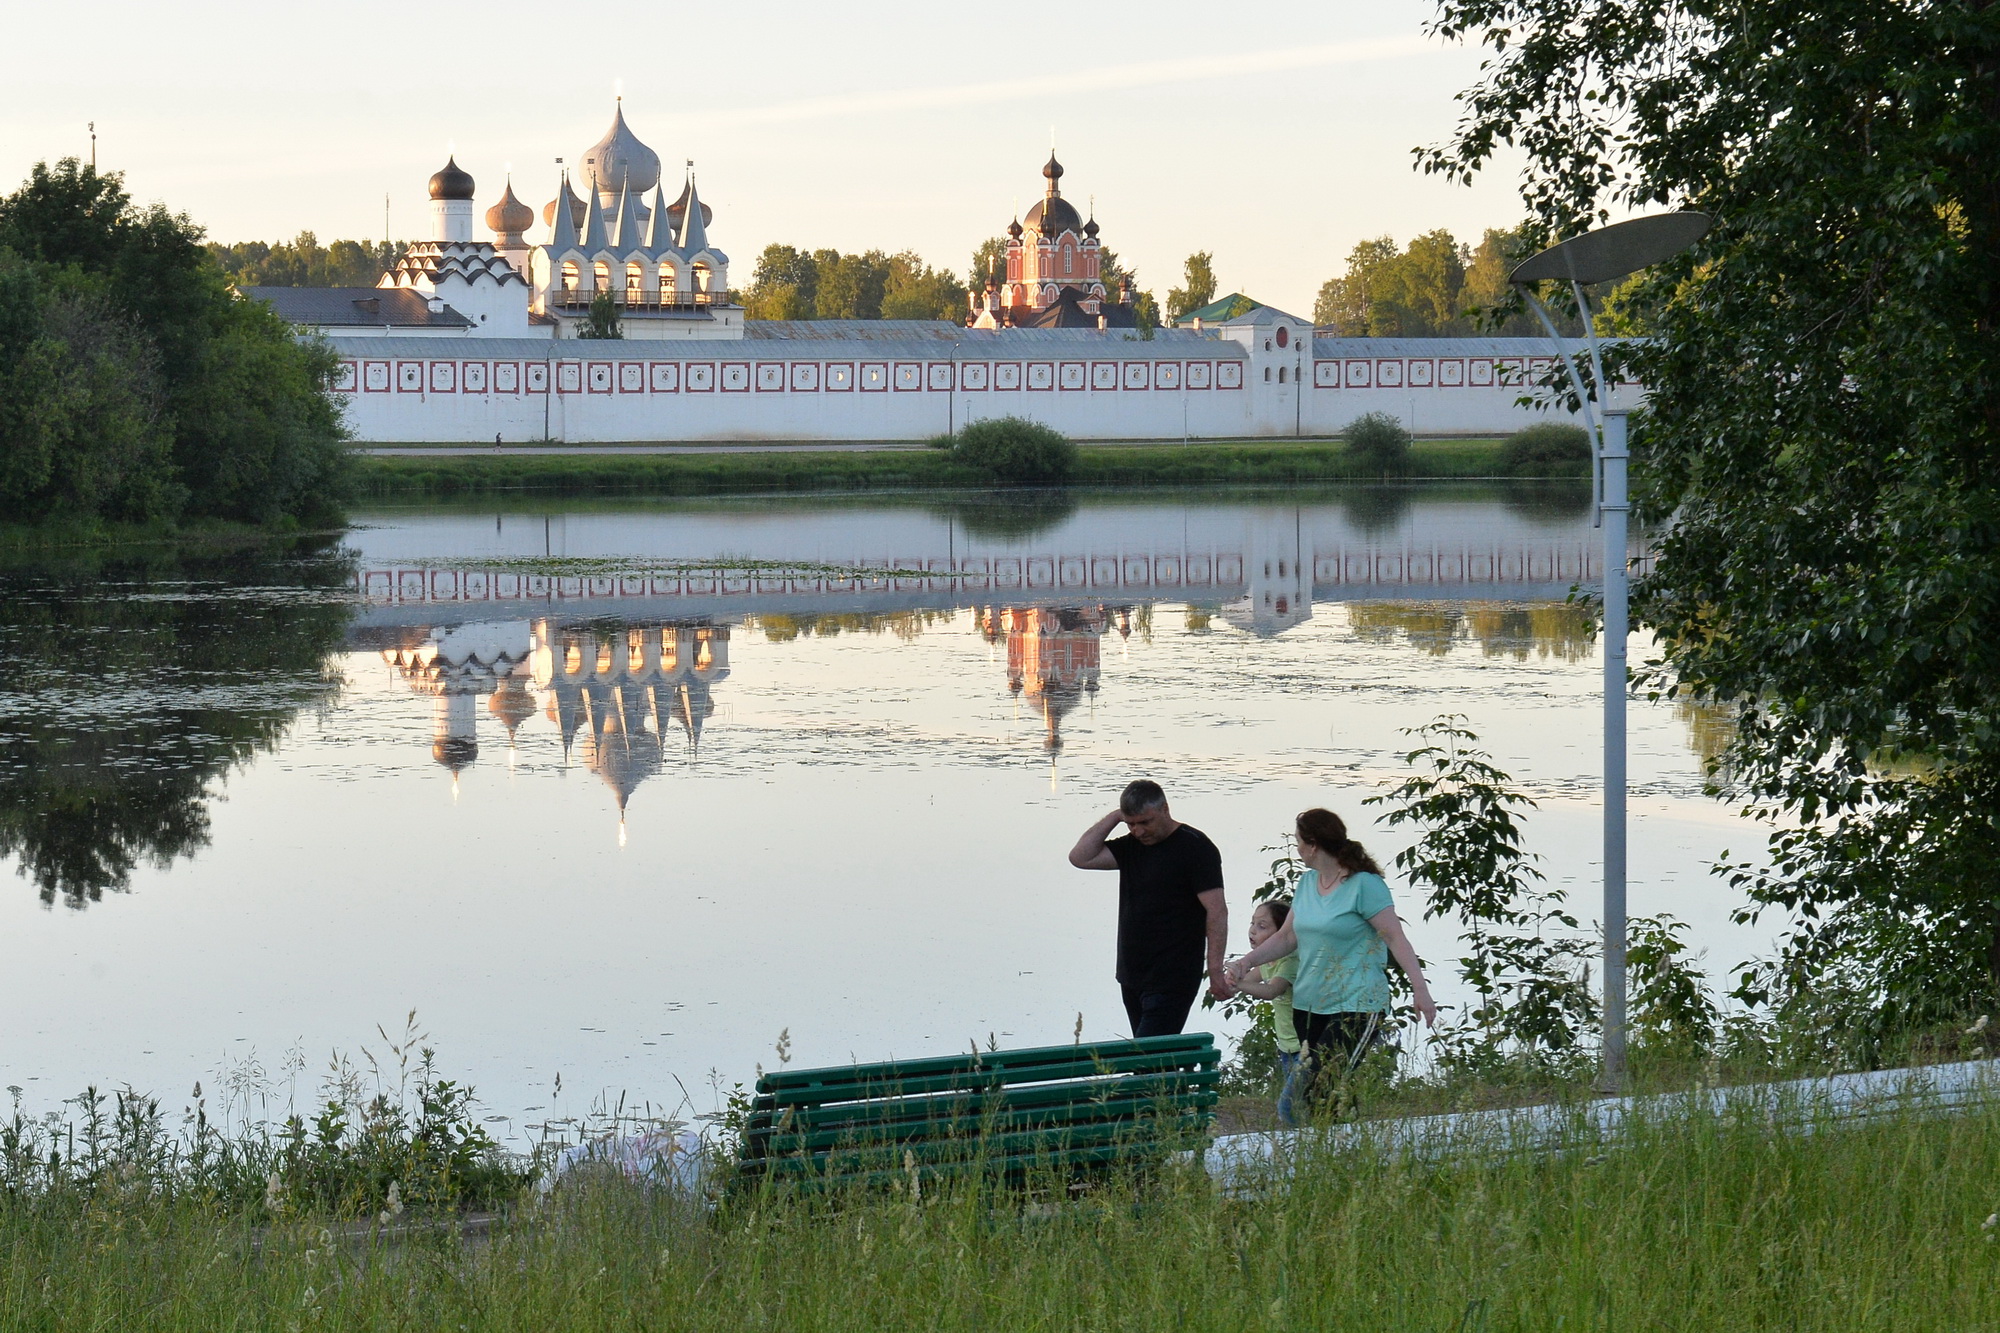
{"points": [[1169, 903]]}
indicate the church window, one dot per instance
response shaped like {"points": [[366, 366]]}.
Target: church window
{"points": [[1069, 260], [666, 284], [635, 283], [1281, 374], [635, 651], [1267, 374], [601, 271], [569, 275], [604, 658], [670, 648], [701, 277]]}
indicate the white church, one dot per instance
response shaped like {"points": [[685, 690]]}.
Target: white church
{"points": [[615, 323]]}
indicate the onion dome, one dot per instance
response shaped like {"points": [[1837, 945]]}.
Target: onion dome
{"points": [[677, 210], [453, 182], [577, 216], [1053, 171], [620, 159], [1090, 228], [509, 217], [1014, 229], [1054, 215]]}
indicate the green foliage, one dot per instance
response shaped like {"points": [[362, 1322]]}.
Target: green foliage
{"points": [[1115, 276], [304, 262], [1526, 962], [602, 322], [1379, 441], [1014, 451], [1545, 449], [1435, 288], [825, 284], [1823, 421], [1200, 289], [989, 264], [136, 386]]}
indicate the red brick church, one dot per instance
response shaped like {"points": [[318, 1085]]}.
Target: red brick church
{"points": [[1053, 278]]}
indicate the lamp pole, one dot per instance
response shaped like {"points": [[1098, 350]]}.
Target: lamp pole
{"points": [[1601, 256]]}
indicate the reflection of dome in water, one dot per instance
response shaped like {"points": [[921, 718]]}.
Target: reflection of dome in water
{"points": [[1053, 661], [512, 703], [454, 752], [619, 748]]}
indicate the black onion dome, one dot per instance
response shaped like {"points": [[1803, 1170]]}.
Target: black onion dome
{"points": [[1054, 169], [453, 182], [1090, 229], [1014, 229], [510, 216], [1053, 216]]}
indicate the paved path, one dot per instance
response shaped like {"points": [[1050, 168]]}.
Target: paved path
{"points": [[634, 450]]}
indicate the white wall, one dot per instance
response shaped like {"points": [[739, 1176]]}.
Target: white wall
{"points": [[858, 390]]}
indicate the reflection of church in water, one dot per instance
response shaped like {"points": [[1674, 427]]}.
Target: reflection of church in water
{"points": [[1054, 656], [614, 694]]}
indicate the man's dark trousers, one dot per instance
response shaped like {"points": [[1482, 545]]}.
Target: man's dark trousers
{"points": [[1159, 1011]]}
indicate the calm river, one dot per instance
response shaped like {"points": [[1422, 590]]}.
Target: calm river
{"points": [[622, 793]]}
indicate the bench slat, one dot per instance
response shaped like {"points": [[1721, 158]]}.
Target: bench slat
{"points": [[1079, 1096], [1037, 1119], [876, 1089], [1142, 1135], [1194, 1042]]}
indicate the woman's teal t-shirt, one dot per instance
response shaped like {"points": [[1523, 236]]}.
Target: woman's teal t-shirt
{"points": [[1343, 962]]}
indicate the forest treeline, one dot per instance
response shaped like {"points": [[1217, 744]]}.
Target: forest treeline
{"points": [[134, 385], [1431, 288], [304, 262]]}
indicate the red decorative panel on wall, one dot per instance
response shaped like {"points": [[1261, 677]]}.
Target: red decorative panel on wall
{"points": [[347, 377]]}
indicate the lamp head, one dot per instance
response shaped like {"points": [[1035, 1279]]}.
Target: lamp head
{"points": [[1613, 252]]}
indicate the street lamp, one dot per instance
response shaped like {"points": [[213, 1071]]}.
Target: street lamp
{"points": [[1602, 256]]}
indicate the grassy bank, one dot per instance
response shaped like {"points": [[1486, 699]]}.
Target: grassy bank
{"points": [[735, 473], [1697, 1223]]}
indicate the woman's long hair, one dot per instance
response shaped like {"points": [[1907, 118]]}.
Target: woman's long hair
{"points": [[1328, 832]]}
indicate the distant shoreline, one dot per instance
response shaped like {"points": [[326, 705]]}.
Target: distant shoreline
{"points": [[781, 468]]}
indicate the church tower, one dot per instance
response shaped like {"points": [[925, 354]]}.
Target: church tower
{"points": [[1054, 276], [451, 203]]}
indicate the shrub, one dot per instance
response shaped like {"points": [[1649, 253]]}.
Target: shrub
{"points": [[1014, 450], [1379, 440], [1547, 448]]}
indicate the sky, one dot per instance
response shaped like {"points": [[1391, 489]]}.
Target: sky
{"points": [[1275, 136]]}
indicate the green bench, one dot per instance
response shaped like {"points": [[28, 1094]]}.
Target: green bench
{"points": [[1052, 1109]]}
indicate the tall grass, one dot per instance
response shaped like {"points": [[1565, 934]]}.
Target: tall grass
{"points": [[1697, 1222]]}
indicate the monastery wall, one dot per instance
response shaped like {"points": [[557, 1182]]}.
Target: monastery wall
{"points": [[1088, 386]]}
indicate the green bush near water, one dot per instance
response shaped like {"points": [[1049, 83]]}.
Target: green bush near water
{"points": [[1379, 441], [1546, 449], [1013, 450]]}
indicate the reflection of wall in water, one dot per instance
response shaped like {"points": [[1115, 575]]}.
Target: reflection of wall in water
{"points": [[1054, 656], [612, 693]]}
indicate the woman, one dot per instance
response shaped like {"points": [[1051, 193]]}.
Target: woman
{"points": [[1344, 928]]}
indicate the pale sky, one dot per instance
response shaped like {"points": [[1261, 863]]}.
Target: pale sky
{"points": [[1275, 135]]}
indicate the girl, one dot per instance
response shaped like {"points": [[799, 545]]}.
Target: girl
{"points": [[1344, 929], [1274, 983]]}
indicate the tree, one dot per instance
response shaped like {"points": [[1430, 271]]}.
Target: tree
{"points": [[1200, 289], [1145, 310], [302, 262], [989, 263], [602, 321], [135, 298], [1824, 426], [851, 286], [914, 290]]}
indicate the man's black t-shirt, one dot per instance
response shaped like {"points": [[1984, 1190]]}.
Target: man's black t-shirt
{"points": [[1162, 926]]}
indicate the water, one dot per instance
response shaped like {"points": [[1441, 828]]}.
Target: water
{"points": [[621, 793]]}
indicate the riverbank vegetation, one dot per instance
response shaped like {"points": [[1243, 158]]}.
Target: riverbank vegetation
{"points": [[134, 387], [387, 476], [1692, 1220]]}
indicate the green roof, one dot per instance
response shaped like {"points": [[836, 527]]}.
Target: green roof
{"points": [[1233, 306]]}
